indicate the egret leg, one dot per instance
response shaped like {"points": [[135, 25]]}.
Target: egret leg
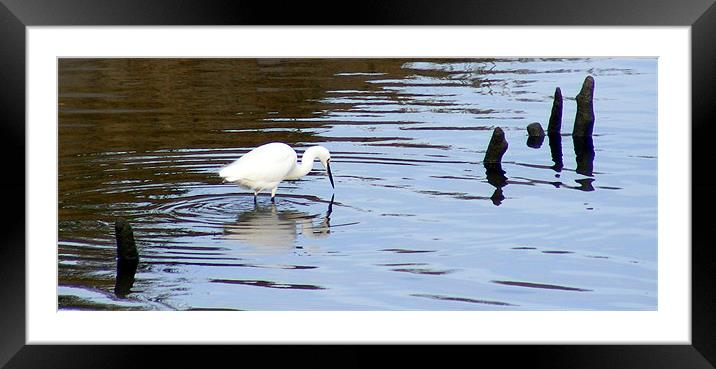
{"points": [[273, 194], [255, 194]]}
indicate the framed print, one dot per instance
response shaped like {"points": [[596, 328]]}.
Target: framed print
{"points": [[529, 182]]}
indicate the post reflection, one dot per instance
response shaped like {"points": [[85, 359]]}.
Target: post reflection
{"points": [[584, 150], [585, 184], [555, 148], [126, 269], [535, 142], [127, 258], [271, 230], [496, 177]]}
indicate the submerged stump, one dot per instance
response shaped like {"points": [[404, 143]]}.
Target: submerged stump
{"points": [[535, 135], [126, 247], [127, 258], [495, 150], [584, 119], [535, 130], [493, 164]]}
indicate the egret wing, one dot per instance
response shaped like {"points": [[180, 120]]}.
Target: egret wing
{"points": [[265, 164]]}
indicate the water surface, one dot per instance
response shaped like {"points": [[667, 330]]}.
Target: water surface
{"points": [[414, 222]]}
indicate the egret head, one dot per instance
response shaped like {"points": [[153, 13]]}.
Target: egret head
{"points": [[325, 157]]}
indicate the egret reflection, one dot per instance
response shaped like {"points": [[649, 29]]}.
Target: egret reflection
{"points": [[271, 230]]}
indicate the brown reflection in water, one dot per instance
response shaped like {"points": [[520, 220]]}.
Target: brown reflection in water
{"points": [[133, 104], [129, 128], [78, 303]]}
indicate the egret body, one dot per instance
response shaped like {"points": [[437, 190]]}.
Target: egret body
{"points": [[266, 166]]}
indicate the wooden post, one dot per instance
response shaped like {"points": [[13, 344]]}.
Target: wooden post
{"points": [[555, 119], [495, 150], [584, 120]]}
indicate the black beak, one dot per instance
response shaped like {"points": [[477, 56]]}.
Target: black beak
{"points": [[330, 176]]}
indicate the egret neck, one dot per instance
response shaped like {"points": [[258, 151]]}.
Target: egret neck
{"points": [[307, 159]]}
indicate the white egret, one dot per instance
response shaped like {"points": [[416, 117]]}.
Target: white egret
{"points": [[266, 166]]}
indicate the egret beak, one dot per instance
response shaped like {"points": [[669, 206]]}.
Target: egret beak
{"points": [[330, 176]]}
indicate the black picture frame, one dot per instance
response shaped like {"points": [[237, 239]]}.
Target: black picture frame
{"points": [[16, 15]]}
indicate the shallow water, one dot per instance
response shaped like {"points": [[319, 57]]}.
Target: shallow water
{"points": [[415, 223]]}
